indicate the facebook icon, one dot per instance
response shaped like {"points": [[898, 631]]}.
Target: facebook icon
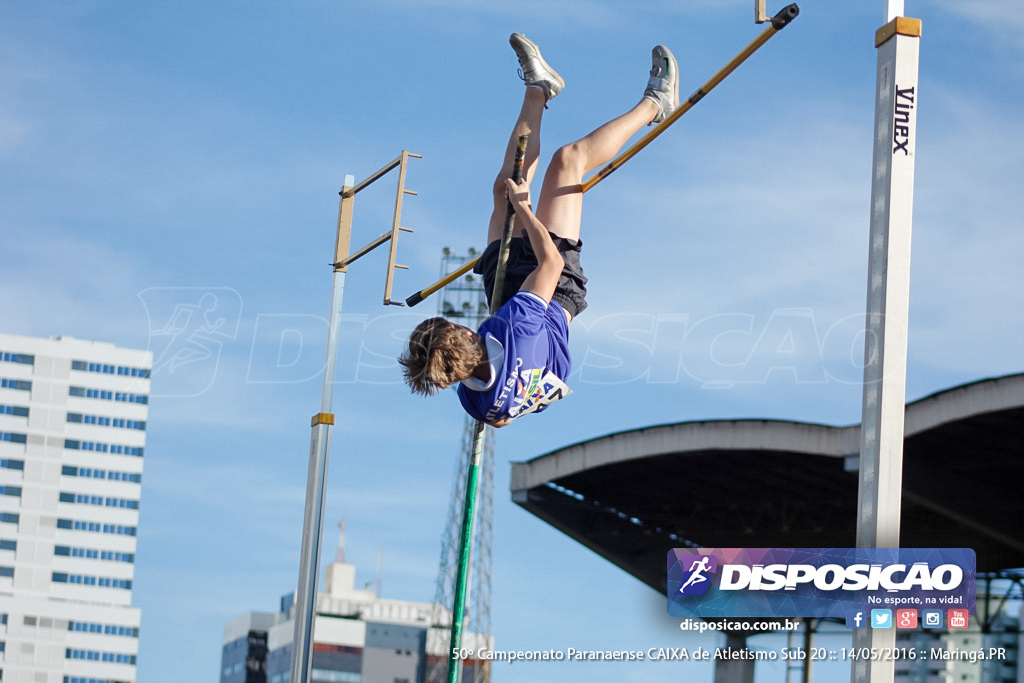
{"points": [[855, 620]]}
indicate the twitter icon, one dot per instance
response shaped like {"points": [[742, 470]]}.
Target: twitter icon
{"points": [[881, 618]]}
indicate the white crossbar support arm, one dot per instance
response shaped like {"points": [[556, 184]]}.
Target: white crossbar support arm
{"points": [[885, 352]]}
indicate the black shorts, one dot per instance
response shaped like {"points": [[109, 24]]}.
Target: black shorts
{"points": [[571, 291]]}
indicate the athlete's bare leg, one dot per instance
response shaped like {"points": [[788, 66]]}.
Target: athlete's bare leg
{"points": [[528, 123]]}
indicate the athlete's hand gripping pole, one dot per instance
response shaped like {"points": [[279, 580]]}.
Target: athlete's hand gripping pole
{"points": [[506, 234]]}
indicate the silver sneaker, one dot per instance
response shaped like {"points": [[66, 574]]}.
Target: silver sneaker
{"points": [[663, 85], [534, 70]]}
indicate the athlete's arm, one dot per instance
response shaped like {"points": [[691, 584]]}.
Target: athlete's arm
{"points": [[544, 278]]}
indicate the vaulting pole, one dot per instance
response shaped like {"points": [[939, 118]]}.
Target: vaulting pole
{"points": [[779, 22], [473, 477]]}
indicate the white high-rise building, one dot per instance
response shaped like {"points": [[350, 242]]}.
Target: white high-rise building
{"points": [[72, 432]]}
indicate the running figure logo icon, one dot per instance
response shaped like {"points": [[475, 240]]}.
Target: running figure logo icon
{"points": [[697, 566]]}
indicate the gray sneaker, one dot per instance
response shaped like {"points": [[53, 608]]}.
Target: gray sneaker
{"points": [[534, 70], [663, 85]]}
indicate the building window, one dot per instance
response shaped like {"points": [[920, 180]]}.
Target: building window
{"points": [[17, 411], [107, 395], [117, 556], [95, 656], [87, 580], [96, 527], [6, 544], [104, 421], [107, 369], [13, 438], [7, 571], [105, 629], [76, 445], [24, 358], [96, 473], [86, 499], [93, 554], [9, 517], [19, 384], [10, 491], [12, 464]]}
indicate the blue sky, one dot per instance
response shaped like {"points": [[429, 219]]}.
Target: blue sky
{"points": [[152, 152]]}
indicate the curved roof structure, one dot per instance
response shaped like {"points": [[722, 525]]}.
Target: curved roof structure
{"points": [[633, 495]]}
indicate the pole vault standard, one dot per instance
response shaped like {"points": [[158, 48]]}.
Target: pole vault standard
{"points": [[888, 303], [479, 429], [778, 22], [320, 445]]}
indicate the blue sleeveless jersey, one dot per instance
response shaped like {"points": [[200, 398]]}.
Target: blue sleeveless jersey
{"points": [[533, 363]]}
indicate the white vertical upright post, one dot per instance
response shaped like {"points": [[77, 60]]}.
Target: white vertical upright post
{"points": [[885, 353], [319, 459]]}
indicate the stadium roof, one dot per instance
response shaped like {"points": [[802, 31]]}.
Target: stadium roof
{"points": [[633, 495]]}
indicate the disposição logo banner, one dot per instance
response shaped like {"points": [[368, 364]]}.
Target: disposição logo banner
{"points": [[817, 582]]}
